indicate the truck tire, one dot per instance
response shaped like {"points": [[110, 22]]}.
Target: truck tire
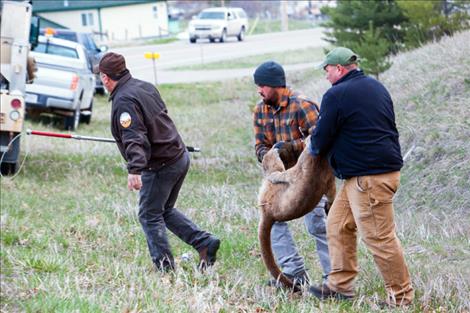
{"points": [[241, 34], [86, 118], [8, 169], [71, 122], [192, 40], [10, 161], [223, 36]]}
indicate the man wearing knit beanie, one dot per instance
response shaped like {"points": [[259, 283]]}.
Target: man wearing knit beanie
{"points": [[281, 119]]}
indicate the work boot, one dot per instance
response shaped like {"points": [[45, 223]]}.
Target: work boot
{"points": [[323, 292], [299, 280], [207, 255]]}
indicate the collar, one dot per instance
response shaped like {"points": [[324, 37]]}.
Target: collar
{"points": [[120, 82], [349, 75]]}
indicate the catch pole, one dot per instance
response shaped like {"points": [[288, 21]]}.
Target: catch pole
{"points": [[89, 138]]}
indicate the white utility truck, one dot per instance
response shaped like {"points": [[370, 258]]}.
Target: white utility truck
{"points": [[15, 45]]}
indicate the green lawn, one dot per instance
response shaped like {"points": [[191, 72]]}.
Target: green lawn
{"points": [[71, 242], [262, 26], [307, 55]]}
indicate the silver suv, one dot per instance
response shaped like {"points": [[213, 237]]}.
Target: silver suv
{"points": [[218, 23]]}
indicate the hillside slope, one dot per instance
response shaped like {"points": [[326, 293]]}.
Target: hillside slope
{"points": [[431, 91]]}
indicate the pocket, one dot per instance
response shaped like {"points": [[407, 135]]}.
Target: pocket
{"points": [[362, 183], [384, 186]]}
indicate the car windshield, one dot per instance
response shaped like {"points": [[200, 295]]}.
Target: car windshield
{"points": [[66, 36], [62, 51], [211, 16]]}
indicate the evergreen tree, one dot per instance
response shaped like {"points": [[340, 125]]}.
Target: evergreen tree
{"points": [[350, 19], [430, 20], [373, 49]]}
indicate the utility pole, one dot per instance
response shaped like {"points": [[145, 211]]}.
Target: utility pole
{"points": [[284, 17]]}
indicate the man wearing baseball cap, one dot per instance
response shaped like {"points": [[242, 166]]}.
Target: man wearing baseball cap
{"points": [[157, 162], [356, 131], [280, 120]]}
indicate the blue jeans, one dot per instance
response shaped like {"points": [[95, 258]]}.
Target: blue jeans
{"points": [[285, 250], [157, 212]]}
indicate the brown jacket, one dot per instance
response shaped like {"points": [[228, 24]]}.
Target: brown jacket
{"points": [[146, 136]]}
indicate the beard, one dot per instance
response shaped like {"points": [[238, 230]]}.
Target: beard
{"points": [[272, 101]]}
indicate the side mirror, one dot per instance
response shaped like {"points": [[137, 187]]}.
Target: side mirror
{"points": [[34, 32], [103, 48]]}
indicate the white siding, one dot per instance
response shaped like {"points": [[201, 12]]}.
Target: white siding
{"points": [[73, 19], [120, 23], [135, 21]]}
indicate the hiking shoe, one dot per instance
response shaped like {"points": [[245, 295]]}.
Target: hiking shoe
{"points": [[207, 255], [299, 280], [323, 292]]}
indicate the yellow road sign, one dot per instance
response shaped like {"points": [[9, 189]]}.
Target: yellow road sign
{"points": [[152, 55]]}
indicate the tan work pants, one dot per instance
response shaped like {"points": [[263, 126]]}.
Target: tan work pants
{"points": [[365, 204]]}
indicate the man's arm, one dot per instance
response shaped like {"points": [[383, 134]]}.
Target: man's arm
{"points": [[262, 146], [307, 118], [325, 131], [136, 145]]}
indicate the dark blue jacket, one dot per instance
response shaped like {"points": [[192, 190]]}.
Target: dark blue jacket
{"points": [[356, 128]]}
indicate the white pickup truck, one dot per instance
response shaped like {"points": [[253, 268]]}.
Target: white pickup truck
{"points": [[64, 82]]}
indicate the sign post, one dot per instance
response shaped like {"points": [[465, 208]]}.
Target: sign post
{"points": [[153, 56]]}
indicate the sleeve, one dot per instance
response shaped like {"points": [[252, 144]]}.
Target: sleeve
{"points": [[328, 122], [307, 118], [261, 144], [133, 134]]}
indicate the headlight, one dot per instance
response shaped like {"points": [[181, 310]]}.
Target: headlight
{"points": [[15, 115]]}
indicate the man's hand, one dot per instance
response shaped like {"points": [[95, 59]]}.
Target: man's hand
{"points": [[286, 153], [279, 145], [134, 182]]}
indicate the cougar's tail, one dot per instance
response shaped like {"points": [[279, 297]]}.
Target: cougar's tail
{"points": [[264, 234]]}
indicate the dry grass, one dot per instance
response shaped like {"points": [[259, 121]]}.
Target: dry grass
{"points": [[70, 240]]}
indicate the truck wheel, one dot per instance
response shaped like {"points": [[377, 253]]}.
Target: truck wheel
{"points": [[85, 116], [212, 39], [223, 37], [10, 158], [241, 35], [192, 40], [9, 168], [71, 122]]}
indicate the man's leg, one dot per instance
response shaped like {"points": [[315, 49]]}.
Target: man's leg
{"points": [[151, 205], [285, 250], [315, 223], [341, 233], [175, 220], [372, 206]]}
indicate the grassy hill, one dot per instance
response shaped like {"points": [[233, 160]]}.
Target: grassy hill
{"points": [[70, 239]]}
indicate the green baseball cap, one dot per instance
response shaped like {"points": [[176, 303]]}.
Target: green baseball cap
{"points": [[341, 56]]}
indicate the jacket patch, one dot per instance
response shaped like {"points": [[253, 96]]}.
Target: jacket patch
{"points": [[125, 119]]}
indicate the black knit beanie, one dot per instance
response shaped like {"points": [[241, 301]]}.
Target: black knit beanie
{"points": [[270, 74]]}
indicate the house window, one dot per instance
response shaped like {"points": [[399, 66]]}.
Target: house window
{"points": [[155, 11], [87, 19]]}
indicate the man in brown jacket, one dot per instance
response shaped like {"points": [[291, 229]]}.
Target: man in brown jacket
{"points": [[157, 162]]}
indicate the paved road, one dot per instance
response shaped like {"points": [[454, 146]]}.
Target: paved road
{"points": [[183, 53]]}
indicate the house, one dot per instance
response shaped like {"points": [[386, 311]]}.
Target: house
{"points": [[114, 19]]}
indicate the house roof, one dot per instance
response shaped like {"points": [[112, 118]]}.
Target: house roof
{"points": [[40, 6]]}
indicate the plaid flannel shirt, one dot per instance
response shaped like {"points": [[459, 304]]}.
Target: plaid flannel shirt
{"points": [[294, 117]]}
